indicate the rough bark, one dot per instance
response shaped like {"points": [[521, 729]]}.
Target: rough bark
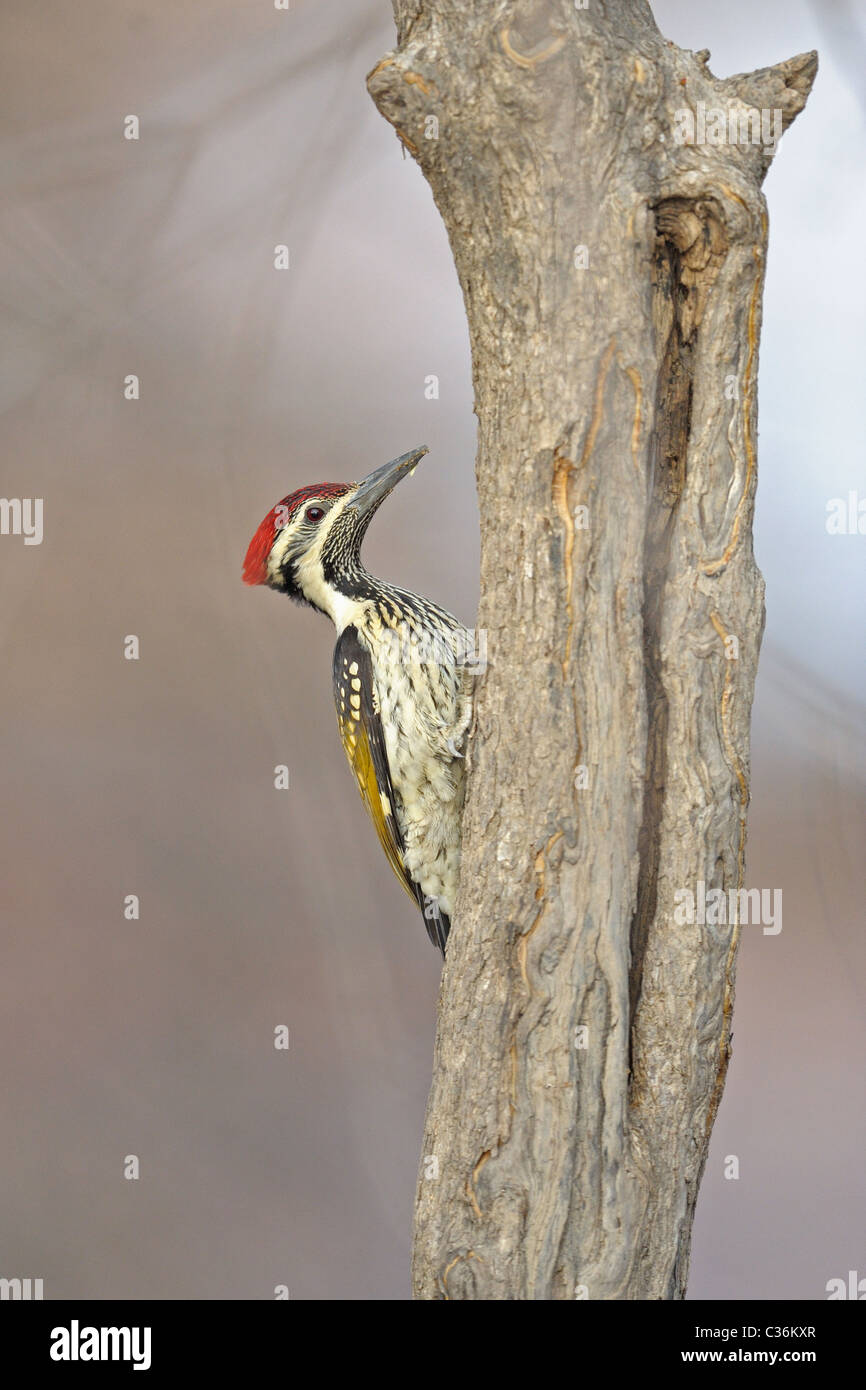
{"points": [[609, 764]]}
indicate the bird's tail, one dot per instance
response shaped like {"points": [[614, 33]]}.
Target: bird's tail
{"points": [[437, 922]]}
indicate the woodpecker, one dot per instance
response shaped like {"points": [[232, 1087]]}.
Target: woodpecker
{"points": [[403, 675]]}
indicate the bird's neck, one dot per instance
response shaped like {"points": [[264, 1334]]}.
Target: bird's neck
{"points": [[344, 595]]}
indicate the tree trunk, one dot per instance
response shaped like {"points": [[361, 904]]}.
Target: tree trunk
{"points": [[612, 271]]}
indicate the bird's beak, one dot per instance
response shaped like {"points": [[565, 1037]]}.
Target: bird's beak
{"points": [[375, 488]]}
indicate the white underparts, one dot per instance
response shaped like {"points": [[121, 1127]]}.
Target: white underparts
{"points": [[425, 709]]}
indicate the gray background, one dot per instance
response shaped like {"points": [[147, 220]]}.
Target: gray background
{"points": [[261, 907]]}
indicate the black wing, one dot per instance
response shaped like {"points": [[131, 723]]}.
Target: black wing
{"points": [[364, 743]]}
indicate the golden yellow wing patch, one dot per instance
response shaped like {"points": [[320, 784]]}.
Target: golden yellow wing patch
{"points": [[364, 744]]}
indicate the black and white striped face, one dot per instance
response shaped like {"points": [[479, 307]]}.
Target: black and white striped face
{"points": [[287, 552], [309, 544], [320, 539]]}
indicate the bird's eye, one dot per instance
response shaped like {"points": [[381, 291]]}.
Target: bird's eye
{"points": [[314, 513]]}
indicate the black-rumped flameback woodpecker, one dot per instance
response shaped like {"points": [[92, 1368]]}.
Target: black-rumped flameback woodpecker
{"points": [[402, 678]]}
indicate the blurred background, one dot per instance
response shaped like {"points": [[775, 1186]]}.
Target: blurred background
{"points": [[155, 777]]}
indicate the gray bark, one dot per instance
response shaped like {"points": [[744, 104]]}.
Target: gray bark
{"points": [[609, 763]]}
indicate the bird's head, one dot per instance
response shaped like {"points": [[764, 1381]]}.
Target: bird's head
{"points": [[309, 544]]}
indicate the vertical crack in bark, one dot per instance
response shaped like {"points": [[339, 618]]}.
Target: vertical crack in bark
{"points": [[713, 567], [562, 471], [690, 246], [728, 999]]}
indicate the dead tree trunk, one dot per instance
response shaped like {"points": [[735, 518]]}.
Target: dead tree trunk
{"points": [[611, 253]]}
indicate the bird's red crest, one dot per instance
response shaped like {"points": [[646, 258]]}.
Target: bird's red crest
{"points": [[256, 562]]}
